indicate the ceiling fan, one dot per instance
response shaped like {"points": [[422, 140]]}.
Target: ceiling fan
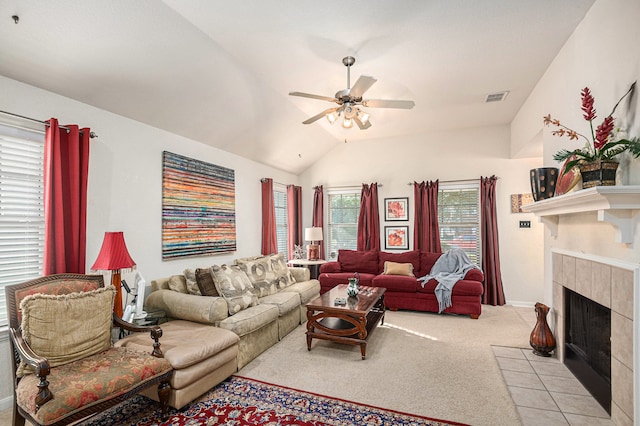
{"points": [[350, 100]]}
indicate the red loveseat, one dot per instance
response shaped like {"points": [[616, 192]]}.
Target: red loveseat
{"points": [[403, 291]]}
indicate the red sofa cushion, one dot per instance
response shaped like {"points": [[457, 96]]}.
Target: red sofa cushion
{"points": [[395, 283], [412, 257], [328, 281], [462, 288], [358, 261], [474, 275], [426, 263], [330, 267]]}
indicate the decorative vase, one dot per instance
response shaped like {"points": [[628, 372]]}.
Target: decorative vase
{"points": [[353, 288], [600, 173], [543, 182], [541, 339]]}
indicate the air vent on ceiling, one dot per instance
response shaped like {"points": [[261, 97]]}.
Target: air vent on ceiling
{"points": [[496, 97]]}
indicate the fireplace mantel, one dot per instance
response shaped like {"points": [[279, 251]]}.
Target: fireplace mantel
{"points": [[618, 205]]}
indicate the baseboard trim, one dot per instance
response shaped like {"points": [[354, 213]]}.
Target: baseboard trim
{"points": [[522, 304], [6, 403]]}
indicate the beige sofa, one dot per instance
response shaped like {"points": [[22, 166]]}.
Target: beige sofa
{"points": [[275, 307]]}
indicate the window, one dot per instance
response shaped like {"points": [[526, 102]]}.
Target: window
{"points": [[21, 208], [459, 218], [282, 230], [344, 208]]}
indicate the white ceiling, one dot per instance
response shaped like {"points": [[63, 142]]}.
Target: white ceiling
{"points": [[220, 71]]}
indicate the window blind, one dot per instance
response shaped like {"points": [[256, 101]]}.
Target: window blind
{"points": [[459, 219], [344, 209], [280, 202], [21, 208]]}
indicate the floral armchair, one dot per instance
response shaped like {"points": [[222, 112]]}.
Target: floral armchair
{"points": [[65, 365]]}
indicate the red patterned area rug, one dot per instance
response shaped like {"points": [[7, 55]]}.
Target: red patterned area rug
{"points": [[241, 401]]}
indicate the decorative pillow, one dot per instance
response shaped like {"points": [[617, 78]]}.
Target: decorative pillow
{"points": [[393, 268], [258, 270], [192, 282], [427, 260], [67, 327], [178, 283], [358, 261], [412, 257], [283, 274], [234, 285], [205, 282]]}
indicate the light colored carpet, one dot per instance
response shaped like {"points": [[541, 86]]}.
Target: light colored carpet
{"points": [[433, 365]]}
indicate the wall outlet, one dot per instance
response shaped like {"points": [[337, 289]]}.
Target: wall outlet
{"points": [[525, 224]]}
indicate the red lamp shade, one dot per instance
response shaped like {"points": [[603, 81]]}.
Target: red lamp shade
{"points": [[113, 257], [113, 254]]}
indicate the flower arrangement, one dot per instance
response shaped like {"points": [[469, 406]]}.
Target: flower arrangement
{"points": [[602, 146]]}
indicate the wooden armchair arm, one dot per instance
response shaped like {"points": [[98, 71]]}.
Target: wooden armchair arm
{"points": [[40, 364], [155, 331]]}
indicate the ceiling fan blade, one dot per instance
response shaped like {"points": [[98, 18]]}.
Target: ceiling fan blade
{"points": [[382, 103], [319, 116], [362, 85], [309, 95], [363, 126]]}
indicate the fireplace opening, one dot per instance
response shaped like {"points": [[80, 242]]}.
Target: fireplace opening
{"points": [[588, 345]]}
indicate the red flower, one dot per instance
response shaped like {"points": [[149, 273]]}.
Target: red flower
{"points": [[602, 132], [587, 104]]}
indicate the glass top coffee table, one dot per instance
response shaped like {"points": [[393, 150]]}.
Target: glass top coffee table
{"points": [[350, 323]]}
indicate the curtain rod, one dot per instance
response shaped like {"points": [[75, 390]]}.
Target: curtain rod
{"points": [[91, 134], [277, 183], [347, 186], [454, 181]]}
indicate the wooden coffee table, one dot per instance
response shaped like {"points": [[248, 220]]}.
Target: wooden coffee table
{"points": [[349, 324]]}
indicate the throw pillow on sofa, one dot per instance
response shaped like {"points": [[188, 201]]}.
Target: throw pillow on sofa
{"points": [[358, 261], [412, 257], [234, 285], [394, 268], [205, 282], [178, 283], [259, 272], [192, 283], [280, 268], [268, 274]]}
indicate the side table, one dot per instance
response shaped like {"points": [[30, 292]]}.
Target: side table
{"points": [[312, 265], [154, 317]]}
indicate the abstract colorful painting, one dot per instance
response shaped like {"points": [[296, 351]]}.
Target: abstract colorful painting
{"points": [[198, 207]]}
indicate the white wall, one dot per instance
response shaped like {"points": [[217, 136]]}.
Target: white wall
{"points": [[601, 54], [466, 154], [125, 184]]}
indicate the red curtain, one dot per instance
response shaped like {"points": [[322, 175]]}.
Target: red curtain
{"points": [[369, 219], [426, 233], [294, 218], [318, 214], [66, 167], [269, 236], [493, 292]]}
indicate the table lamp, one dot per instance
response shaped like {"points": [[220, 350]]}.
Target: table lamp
{"points": [[313, 234], [114, 257]]}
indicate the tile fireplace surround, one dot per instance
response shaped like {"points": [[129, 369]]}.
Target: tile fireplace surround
{"points": [[610, 283]]}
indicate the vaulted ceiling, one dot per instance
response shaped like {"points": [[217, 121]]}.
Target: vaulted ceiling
{"points": [[219, 72]]}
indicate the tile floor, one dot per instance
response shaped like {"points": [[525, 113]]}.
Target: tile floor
{"points": [[545, 391]]}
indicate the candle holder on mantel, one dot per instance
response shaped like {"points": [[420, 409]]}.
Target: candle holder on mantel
{"points": [[542, 340]]}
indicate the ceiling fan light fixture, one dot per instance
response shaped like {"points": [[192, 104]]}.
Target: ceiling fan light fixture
{"points": [[363, 116], [347, 123], [331, 117]]}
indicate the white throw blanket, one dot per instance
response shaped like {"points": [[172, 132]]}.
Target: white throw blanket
{"points": [[450, 268]]}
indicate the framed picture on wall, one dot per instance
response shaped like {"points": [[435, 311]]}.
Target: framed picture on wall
{"points": [[396, 209], [396, 238]]}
